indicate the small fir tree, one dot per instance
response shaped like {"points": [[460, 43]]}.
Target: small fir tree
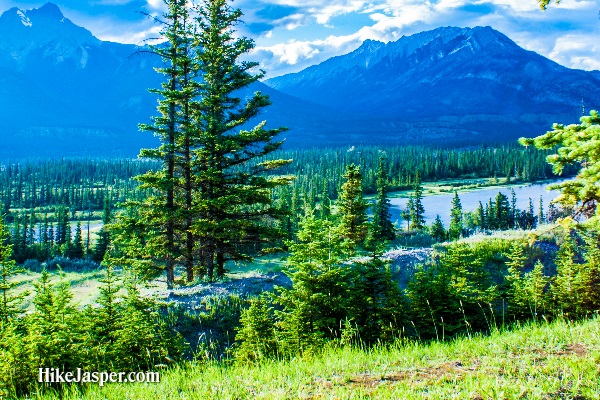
{"points": [[456, 219], [438, 232], [417, 211]]}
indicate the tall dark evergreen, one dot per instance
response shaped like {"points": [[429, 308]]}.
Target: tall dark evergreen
{"points": [[416, 209], [233, 199], [9, 301], [437, 230], [212, 201], [382, 224], [456, 218], [502, 212], [352, 207]]}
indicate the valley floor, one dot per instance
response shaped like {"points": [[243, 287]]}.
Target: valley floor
{"points": [[558, 360]]}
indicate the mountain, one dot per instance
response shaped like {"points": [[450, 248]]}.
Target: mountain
{"points": [[65, 92], [476, 79]]}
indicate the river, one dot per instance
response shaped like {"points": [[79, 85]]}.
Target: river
{"points": [[442, 203]]}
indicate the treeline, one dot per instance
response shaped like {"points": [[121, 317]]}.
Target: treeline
{"points": [[78, 184], [319, 172], [84, 184]]}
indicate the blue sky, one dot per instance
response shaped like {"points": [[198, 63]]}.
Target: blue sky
{"points": [[293, 34]]}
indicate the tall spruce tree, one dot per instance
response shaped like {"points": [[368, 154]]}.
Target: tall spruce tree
{"points": [[317, 302], [213, 197], [502, 212], [417, 211], [9, 301], [234, 194], [383, 228], [351, 205], [146, 234], [456, 218]]}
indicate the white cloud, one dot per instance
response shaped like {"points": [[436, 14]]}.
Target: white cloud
{"points": [[577, 51], [133, 35], [566, 33], [156, 4]]}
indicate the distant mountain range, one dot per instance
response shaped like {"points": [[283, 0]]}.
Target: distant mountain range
{"points": [[65, 92]]}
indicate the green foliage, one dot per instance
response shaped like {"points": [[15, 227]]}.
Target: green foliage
{"points": [[378, 309], [415, 207], [544, 3], [256, 333], [383, 229], [54, 330], [437, 230], [456, 219], [448, 295], [569, 286], [577, 144], [315, 306], [16, 373], [526, 292], [352, 207], [9, 302]]}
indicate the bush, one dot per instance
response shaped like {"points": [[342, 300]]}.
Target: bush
{"points": [[71, 265]]}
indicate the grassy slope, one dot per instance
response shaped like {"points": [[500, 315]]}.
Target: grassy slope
{"points": [[557, 360]]}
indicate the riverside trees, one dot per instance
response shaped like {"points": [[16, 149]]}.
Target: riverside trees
{"points": [[211, 196]]}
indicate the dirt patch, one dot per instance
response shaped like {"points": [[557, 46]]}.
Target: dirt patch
{"points": [[451, 370], [577, 349]]}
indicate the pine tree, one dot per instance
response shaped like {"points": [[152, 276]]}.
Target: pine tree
{"points": [[417, 211], [103, 322], [76, 250], [9, 302], [437, 231], [591, 285], [491, 220], [157, 217], [515, 283], [53, 329], [541, 217], [502, 212], [449, 293], [456, 219], [352, 207], [103, 240], [513, 208], [406, 213], [316, 304], [256, 333], [232, 202], [377, 306], [575, 143], [568, 286], [212, 192], [536, 284], [481, 217], [383, 227]]}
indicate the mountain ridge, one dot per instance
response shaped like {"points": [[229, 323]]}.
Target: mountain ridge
{"points": [[58, 82], [446, 72]]}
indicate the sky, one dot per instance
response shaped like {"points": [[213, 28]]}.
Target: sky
{"points": [[291, 35]]}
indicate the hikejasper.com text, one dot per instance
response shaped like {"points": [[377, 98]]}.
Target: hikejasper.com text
{"points": [[55, 375]]}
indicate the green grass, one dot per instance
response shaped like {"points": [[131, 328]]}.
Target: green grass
{"points": [[538, 361]]}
